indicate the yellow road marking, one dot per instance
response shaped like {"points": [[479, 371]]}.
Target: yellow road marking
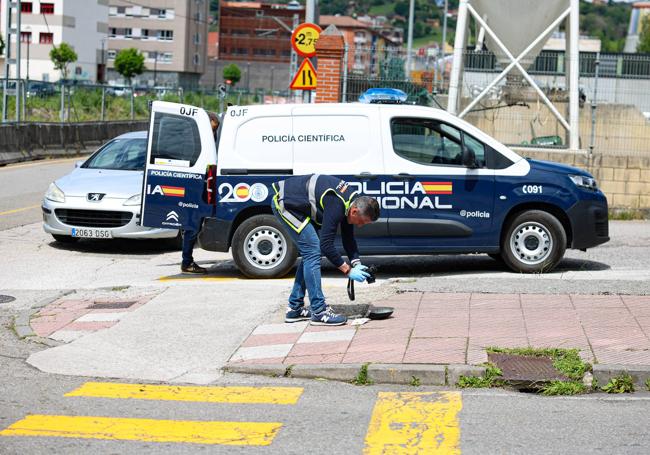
{"points": [[256, 395], [197, 432], [9, 212], [415, 423]]}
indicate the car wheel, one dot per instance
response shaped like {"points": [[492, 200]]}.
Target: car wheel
{"points": [[64, 238], [534, 242], [261, 248]]}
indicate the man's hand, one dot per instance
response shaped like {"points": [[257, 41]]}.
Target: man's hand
{"points": [[358, 273]]}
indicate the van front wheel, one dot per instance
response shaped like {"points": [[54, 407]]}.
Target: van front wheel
{"points": [[262, 249], [534, 242]]}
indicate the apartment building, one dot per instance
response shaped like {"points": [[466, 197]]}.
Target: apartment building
{"points": [[257, 31], [171, 34], [44, 24]]}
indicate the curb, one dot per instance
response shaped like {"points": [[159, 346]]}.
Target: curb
{"points": [[416, 374], [409, 374], [21, 322]]}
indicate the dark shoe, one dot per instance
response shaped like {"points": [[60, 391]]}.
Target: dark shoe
{"points": [[328, 317], [301, 314], [193, 268]]}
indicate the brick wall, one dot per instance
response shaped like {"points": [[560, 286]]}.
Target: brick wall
{"points": [[329, 50]]}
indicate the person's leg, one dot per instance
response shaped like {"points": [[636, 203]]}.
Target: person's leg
{"points": [[297, 297], [189, 239], [309, 246]]}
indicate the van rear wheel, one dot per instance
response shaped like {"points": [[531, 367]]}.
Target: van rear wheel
{"points": [[534, 242], [261, 248]]}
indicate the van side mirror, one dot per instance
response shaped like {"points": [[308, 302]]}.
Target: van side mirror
{"points": [[469, 158]]}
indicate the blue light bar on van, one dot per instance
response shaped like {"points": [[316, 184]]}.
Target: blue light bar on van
{"points": [[383, 96]]}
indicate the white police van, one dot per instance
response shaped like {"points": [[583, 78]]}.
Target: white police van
{"points": [[443, 185]]}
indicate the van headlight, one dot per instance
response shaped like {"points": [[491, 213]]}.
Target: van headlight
{"points": [[54, 193], [584, 181], [136, 199]]}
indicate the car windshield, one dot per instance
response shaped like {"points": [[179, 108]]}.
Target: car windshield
{"points": [[120, 154]]}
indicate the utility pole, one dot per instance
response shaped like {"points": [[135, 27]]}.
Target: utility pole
{"points": [[9, 61], [409, 42], [443, 44]]}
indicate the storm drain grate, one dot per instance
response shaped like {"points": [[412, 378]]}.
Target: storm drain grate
{"points": [[110, 305], [6, 298], [521, 370]]}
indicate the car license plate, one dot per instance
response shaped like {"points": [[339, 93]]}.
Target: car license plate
{"points": [[91, 233]]}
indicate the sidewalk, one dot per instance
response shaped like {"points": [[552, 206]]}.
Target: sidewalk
{"points": [[446, 328]]}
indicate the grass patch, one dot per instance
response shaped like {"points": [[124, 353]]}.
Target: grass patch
{"points": [[120, 288], [620, 384], [362, 376], [287, 372], [491, 379], [626, 215], [647, 384], [415, 381], [563, 388]]}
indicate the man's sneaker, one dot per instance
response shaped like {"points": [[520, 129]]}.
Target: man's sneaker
{"points": [[328, 317], [193, 268], [301, 314]]}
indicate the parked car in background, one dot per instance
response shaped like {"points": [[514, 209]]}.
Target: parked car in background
{"points": [[100, 199], [41, 89]]}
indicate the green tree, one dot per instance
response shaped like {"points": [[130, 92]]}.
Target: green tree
{"points": [[61, 56], [232, 72], [129, 62], [644, 36], [2, 45]]}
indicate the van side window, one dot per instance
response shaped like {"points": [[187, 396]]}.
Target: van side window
{"points": [[430, 142], [176, 138]]}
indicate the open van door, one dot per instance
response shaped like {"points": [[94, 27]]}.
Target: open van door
{"points": [[180, 149]]}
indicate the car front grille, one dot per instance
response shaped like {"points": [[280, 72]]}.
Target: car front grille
{"points": [[93, 218]]}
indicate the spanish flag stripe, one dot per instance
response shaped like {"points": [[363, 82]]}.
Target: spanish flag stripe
{"points": [[173, 190]]}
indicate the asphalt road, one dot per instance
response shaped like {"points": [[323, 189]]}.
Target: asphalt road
{"points": [[23, 187], [329, 417]]}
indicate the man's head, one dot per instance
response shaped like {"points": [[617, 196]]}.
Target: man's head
{"points": [[364, 210], [214, 121]]}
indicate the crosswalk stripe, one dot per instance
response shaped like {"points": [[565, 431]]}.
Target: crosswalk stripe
{"points": [[253, 395], [151, 430], [415, 423]]}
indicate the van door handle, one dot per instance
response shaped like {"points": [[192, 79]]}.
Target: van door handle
{"points": [[365, 176], [403, 176]]}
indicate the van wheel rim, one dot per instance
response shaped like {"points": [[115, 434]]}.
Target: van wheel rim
{"points": [[531, 243], [265, 247]]}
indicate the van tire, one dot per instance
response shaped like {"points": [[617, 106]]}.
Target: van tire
{"points": [[534, 242], [262, 248]]}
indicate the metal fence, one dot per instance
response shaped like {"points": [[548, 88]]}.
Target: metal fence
{"points": [[614, 94]]}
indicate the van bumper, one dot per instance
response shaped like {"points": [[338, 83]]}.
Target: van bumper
{"points": [[589, 223], [215, 235]]}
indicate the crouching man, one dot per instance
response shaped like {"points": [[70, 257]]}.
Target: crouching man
{"points": [[308, 204]]}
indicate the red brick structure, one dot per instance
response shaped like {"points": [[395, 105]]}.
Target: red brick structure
{"points": [[329, 50]]}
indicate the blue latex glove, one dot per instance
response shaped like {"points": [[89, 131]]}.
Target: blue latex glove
{"points": [[358, 273]]}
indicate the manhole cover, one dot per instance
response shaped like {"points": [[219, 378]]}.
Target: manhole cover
{"points": [[110, 305], [6, 298], [525, 370], [352, 310]]}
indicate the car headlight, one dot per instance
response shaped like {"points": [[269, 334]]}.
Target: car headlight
{"points": [[54, 194], [136, 199], [584, 181]]}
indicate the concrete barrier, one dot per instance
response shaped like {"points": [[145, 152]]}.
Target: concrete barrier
{"points": [[33, 141]]}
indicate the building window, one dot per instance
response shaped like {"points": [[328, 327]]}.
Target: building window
{"points": [[196, 60], [128, 33], [112, 11], [159, 13], [26, 7], [198, 16], [112, 32], [166, 35], [197, 38], [25, 37], [47, 8], [263, 51], [112, 53], [165, 58], [145, 33], [121, 10], [46, 38]]}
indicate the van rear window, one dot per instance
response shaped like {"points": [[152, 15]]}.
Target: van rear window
{"points": [[175, 138]]}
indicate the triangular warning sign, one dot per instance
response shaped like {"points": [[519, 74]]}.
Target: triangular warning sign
{"points": [[305, 78]]}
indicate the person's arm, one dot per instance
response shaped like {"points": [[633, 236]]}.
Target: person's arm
{"points": [[333, 214], [349, 243]]}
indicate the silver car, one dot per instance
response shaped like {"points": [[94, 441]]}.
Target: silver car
{"points": [[100, 198]]}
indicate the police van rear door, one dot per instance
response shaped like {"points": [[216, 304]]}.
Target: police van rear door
{"points": [[180, 148]]}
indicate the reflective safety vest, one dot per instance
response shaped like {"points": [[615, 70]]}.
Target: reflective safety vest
{"points": [[299, 199]]}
